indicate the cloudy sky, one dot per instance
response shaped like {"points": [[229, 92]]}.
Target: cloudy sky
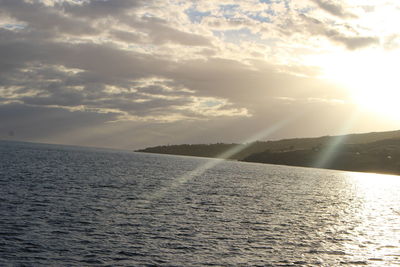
{"points": [[137, 73]]}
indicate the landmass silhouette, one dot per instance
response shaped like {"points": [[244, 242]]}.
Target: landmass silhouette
{"points": [[377, 152]]}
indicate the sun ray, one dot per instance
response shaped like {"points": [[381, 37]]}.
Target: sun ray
{"points": [[332, 148], [211, 163]]}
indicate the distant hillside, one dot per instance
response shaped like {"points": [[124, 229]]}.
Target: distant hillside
{"points": [[211, 150], [380, 156], [243, 151]]}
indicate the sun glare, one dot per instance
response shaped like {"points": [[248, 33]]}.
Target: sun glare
{"points": [[371, 79]]}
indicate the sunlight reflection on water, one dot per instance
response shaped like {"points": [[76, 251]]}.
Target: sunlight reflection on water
{"points": [[378, 231]]}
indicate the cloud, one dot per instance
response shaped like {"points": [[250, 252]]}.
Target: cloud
{"points": [[39, 123], [122, 65], [138, 99], [317, 27], [392, 42], [167, 33], [45, 18], [353, 43], [96, 9], [333, 8]]}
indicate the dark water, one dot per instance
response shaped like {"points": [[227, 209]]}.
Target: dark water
{"points": [[64, 206]]}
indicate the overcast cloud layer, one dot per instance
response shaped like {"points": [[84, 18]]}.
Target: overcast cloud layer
{"points": [[131, 74]]}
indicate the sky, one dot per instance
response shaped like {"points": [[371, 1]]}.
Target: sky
{"points": [[137, 73]]}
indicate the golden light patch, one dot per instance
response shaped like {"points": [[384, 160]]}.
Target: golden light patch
{"points": [[371, 78]]}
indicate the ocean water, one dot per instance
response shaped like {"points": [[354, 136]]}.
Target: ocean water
{"points": [[69, 206]]}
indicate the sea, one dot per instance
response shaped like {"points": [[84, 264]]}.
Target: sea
{"points": [[76, 206]]}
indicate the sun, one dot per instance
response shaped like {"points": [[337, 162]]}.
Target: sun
{"points": [[375, 85], [371, 79]]}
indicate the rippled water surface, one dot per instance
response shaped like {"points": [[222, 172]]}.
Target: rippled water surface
{"points": [[90, 207]]}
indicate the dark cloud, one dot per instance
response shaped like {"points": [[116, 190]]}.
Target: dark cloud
{"points": [[333, 9], [49, 86], [159, 32], [341, 34], [352, 42], [101, 8], [103, 59], [44, 18], [93, 17], [125, 36]]}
